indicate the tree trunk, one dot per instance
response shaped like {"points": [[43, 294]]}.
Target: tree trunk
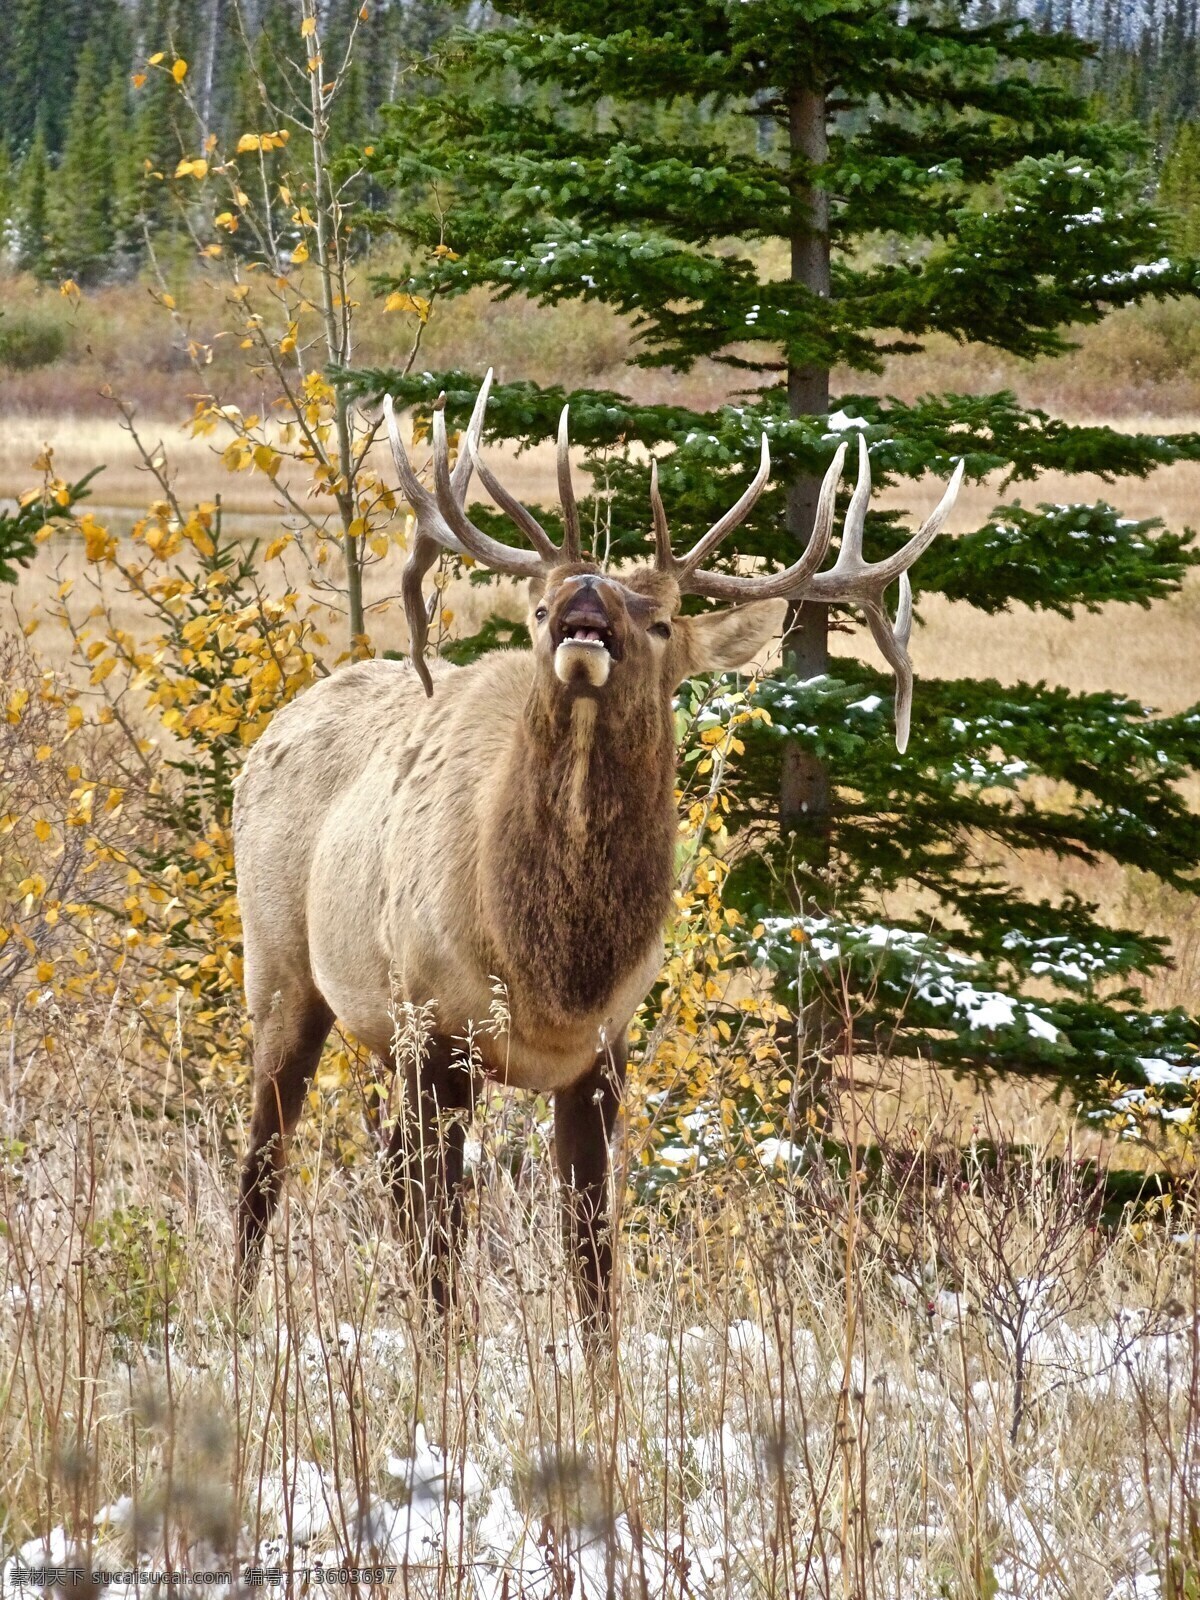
{"points": [[804, 788], [210, 59], [804, 797]]}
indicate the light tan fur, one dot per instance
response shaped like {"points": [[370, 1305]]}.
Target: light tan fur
{"points": [[367, 843]]}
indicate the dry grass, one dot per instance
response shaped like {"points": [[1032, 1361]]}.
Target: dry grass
{"points": [[814, 1391], [1142, 361]]}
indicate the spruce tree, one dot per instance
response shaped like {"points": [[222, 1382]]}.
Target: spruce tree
{"points": [[1179, 186], [32, 247], [921, 173], [84, 208]]}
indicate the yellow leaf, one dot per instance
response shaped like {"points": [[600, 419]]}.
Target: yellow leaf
{"points": [[42, 829], [69, 289], [168, 300], [156, 58], [179, 70], [248, 141], [139, 79], [308, 27], [300, 253], [45, 971], [408, 302], [226, 220], [99, 544]]}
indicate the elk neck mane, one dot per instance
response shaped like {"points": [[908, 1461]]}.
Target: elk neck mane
{"points": [[584, 845]]}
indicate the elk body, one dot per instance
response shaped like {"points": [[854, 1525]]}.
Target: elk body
{"points": [[412, 840]]}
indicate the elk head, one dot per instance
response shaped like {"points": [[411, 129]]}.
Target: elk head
{"points": [[595, 631]]}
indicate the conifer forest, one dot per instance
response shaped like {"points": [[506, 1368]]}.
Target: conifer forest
{"points": [[600, 798]]}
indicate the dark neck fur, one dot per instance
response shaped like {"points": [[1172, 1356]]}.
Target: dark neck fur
{"points": [[585, 847]]}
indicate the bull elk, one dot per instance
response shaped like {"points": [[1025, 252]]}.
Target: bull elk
{"points": [[518, 828]]}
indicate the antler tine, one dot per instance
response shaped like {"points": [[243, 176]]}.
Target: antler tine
{"points": [[460, 478], [849, 555], [892, 639], [429, 518], [736, 515], [512, 508], [421, 557], [490, 552], [664, 560], [571, 545], [776, 585], [432, 533], [851, 578]]}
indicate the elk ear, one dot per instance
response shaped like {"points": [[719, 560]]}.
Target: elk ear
{"points": [[720, 641]]}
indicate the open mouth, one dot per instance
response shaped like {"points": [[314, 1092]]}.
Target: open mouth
{"points": [[586, 634], [584, 621], [585, 645]]}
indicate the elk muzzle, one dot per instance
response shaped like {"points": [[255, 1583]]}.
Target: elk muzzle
{"points": [[586, 643]]}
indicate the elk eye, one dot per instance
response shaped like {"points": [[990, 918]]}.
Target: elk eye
{"points": [[661, 630], [541, 613]]}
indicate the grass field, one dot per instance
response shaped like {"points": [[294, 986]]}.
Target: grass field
{"points": [[953, 1384]]}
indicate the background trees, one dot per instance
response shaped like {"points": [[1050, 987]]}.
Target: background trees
{"points": [[1147, 67]]}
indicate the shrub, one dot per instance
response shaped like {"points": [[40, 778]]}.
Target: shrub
{"points": [[30, 339]]}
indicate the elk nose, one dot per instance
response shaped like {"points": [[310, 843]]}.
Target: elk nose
{"points": [[585, 607]]}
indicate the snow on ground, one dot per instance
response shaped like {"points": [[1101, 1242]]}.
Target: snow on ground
{"points": [[472, 1514]]}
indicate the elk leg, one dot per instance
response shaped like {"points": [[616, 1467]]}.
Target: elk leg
{"points": [[288, 1038], [425, 1163], [584, 1117]]}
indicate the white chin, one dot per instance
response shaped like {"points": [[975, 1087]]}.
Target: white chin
{"points": [[578, 662]]}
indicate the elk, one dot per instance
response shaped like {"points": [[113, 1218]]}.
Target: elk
{"points": [[411, 835]]}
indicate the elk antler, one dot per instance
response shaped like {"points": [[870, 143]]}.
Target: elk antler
{"points": [[443, 524], [849, 579]]}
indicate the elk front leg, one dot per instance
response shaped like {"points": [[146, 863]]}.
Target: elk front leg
{"points": [[290, 1030], [584, 1118], [425, 1163]]}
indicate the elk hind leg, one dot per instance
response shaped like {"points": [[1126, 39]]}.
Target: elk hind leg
{"points": [[425, 1163], [289, 1034]]}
